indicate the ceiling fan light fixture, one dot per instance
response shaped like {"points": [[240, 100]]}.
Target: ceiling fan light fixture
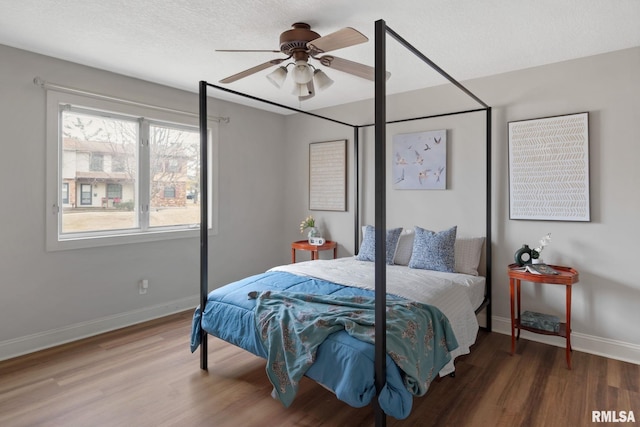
{"points": [[301, 90], [302, 73], [322, 81], [278, 76]]}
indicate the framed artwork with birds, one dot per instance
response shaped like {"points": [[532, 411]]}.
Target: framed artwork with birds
{"points": [[420, 160]]}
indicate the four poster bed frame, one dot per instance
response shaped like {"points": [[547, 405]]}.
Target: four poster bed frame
{"points": [[381, 30]]}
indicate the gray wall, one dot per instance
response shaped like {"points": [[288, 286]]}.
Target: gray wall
{"points": [[49, 297], [606, 300]]}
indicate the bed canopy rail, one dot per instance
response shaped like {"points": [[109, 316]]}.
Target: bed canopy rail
{"points": [[381, 31]]}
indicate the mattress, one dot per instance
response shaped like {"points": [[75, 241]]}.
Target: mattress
{"points": [[229, 315], [456, 294]]}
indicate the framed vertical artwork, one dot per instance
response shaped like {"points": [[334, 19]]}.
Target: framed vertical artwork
{"points": [[549, 168], [420, 160], [328, 176]]}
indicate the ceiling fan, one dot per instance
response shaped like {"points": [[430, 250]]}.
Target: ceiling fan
{"points": [[301, 43]]}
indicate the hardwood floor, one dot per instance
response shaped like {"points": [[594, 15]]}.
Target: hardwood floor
{"points": [[145, 375]]}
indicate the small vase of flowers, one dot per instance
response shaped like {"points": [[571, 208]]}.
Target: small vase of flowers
{"points": [[535, 252], [310, 224]]}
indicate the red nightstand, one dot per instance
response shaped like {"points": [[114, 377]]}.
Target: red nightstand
{"points": [[567, 277], [303, 245]]}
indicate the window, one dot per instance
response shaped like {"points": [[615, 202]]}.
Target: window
{"points": [[97, 162], [119, 163], [114, 191], [169, 192], [65, 193], [122, 173]]}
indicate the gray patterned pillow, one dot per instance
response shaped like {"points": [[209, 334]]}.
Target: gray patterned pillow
{"points": [[367, 250], [434, 251]]}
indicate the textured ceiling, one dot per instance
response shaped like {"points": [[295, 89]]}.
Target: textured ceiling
{"points": [[174, 42]]}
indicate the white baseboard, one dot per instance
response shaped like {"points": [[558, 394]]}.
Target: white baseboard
{"points": [[605, 347], [35, 342]]}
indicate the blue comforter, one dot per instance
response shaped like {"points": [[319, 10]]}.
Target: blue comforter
{"points": [[342, 363]]}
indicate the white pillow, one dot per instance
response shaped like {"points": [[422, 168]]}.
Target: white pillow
{"points": [[467, 254], [405, 248]]}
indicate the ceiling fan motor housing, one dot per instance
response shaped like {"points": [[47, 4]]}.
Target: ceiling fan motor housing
{"points": [[296, 39]]}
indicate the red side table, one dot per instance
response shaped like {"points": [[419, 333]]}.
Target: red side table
{"points": [[567, 277], [303, 245]]}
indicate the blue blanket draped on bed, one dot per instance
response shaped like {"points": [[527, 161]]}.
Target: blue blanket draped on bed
{"points": [[343, 364], [293, 325]]}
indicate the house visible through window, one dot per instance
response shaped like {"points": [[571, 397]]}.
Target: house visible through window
{"points": [[120, 174]]}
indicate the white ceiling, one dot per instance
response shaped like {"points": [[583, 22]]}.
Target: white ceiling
{"points": [[173, 42]]}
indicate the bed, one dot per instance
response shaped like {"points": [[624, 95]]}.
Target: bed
{"points": [[388, 394], [344, 364]]}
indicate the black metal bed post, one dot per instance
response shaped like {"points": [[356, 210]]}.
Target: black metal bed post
{"points": [[488, 214], [356, 189], [380, 353], [204, 216]]}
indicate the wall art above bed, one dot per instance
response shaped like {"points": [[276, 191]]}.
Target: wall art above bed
{"points": [[549, 168], [420, 160]]}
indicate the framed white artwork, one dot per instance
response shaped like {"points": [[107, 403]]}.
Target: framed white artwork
{"points": [[549, 168], [328, 176]]}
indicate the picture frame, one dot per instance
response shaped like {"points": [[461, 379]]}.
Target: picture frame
{"points": [[549, 168], [328, 176], [420, 160]]}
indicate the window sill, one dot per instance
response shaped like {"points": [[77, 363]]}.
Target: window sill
{"points": [[83, 242]]}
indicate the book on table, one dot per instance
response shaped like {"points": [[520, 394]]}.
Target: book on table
{"points": [[540, 269]]}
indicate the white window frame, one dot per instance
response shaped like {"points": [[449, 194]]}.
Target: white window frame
{"points": [[55, 240]]}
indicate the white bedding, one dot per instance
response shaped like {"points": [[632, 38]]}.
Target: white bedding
{"points": [[456, 295]]}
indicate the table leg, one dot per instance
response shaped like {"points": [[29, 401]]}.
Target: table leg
{"points": [[519, 305], [314, 255], [293, 256], [513, 319], [335, 252], [568, 350]]}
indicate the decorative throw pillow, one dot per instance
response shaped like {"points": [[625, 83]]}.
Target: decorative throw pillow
{"points": [[434, 251], [467, 252], [367, 250], [405, 247]]}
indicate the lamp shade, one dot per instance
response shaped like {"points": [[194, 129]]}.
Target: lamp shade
{"points": [[322, 81], [300, 90], [310, 91], [278, 76], [302, 73]]}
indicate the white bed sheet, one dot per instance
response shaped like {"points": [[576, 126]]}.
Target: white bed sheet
{"points": [[455, 294]]}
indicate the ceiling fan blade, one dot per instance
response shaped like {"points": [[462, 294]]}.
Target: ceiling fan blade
{"points": [[337, 40], [247, 50], [252, 70], [351, 67]]}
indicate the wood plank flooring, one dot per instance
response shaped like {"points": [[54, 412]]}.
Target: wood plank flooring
{"points": [[145, 375]]}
